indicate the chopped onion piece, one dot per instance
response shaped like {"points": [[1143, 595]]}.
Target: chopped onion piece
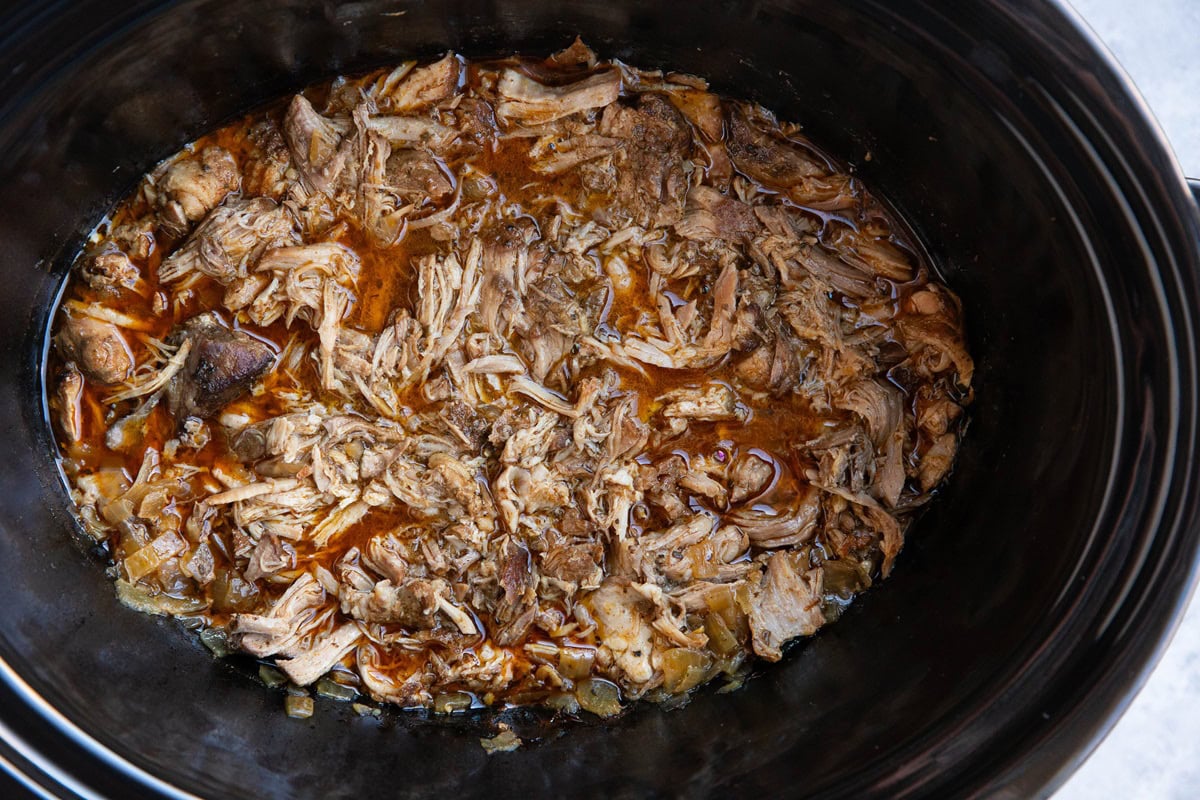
{"points": [[149, 558], [599, 696], [298, 707]]}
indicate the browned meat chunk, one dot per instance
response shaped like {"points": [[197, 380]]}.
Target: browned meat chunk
{"points": [[846, 459], [467, 424], [660, 486], [415, 174], [97, 348], [651, 184], [878, 405], [573, 564], [476, 120], [135, 237], [266, 172], [749, 477], [772, 367], [221, 365], [773, 162], [515, 572], [933, 333], [784, 524], [712, 215], [835, 272], [575, 151], [193, 186], [109, 269], [937, 460], [424, 86], [385, 555], [413, 604], [281, 628], [875, 256], [515, 610]]}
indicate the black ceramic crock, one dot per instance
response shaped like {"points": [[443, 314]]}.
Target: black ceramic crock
{"points": [[1027, 607]]}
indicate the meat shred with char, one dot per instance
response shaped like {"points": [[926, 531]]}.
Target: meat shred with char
{"points": [[518, 379]]}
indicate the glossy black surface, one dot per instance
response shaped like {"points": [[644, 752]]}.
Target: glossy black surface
{"points": [[1022, 613]]}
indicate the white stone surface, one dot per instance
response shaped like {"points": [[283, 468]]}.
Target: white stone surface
{"points": [[1153, 753], [1158, 43]]}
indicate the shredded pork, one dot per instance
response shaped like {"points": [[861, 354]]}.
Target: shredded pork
{"points": [[516, 379]]}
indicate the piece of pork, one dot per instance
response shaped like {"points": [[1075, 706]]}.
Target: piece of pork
{"points": [[936, 461], [522, 99], [577, 56], [268, 163], [280, 629], [386, 556], [410, 132], [416, 175], [712, 402], [786, 604], [574, 566], [651, 184], [623, 628], [749, 477], [786, 221], [193, 186], [382, 211], [98, 348], [321, 148], [712, 215], [730, 327], [773, 162], [135, 237], [221, 365], [555, 154], [875, 256], [422, 87], [933, 334], [230, 239], [772, 367], [516, 608], [109, 269], [711, 557], [323, 654], [794, 521], [270, 556], [795, 259], [845, 459], [68, 396], [702, 109], [879, 405], [413, 604]]}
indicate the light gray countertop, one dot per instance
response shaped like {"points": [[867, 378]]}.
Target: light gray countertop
{"points": [[1153, 753]]}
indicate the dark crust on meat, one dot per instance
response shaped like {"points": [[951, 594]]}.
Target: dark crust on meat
{"points": [[222, 365]]}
